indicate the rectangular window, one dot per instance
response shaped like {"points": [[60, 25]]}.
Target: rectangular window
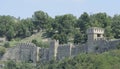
{"points": [[98, 35]]}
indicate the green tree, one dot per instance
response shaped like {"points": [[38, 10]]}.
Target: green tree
{"points": [[40, 20], [108, 32], [66, 23], [7, 26], [83, 22], [100, 20], [116, 26], [7, 45], [64, 27], [63, 39], [10, 33], [78, 38], [24, 28]]}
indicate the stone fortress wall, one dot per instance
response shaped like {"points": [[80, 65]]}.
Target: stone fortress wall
{"points": [[21, 52], [96, 43]]}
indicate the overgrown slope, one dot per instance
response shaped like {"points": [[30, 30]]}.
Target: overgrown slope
{"points": [[38, 37]]}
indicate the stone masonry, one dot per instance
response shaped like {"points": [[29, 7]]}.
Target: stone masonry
{"points": [[29, 52], [22, 52]]}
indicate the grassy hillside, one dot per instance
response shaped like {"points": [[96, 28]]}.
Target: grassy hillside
{"points": [[37, 36]]}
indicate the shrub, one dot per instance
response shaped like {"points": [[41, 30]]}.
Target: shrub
{"points": [[2, 50], [40, 43], [118, 46], [7, 45]]}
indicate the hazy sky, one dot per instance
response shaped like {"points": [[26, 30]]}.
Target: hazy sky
{"points": [[26, 8]]}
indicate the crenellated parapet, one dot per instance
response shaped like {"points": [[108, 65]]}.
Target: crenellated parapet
{"points": [[26, 45]]}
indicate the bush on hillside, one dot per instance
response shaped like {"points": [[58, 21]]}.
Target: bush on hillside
{"points": [[2, 50], [40, 43], [7, 45]]}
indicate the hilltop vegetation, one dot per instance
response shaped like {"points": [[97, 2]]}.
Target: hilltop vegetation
{"points": [[65, 28]]}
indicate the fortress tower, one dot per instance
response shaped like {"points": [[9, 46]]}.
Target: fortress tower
{"points": [[53, 49], [94, 34]]}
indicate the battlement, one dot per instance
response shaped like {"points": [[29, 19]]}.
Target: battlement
{"points": [[26, 45], [95, 30]]}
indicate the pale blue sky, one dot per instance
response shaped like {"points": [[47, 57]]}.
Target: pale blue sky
{"points": [[26, 8]]}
